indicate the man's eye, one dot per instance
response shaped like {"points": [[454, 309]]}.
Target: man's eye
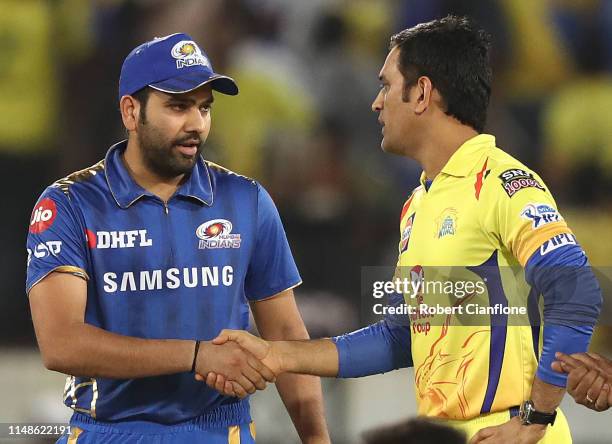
{"points": [[178, 107], [206, 108]]}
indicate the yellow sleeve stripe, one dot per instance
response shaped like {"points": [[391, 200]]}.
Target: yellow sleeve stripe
{"points": [[529, 240], [77, 271]]}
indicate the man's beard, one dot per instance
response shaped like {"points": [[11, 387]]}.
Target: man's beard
{"points": [[160, 154]]}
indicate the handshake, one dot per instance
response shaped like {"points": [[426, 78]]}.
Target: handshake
{"points": [[236, 363]]}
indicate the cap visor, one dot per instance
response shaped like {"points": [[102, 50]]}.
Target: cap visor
{"points": [[192, 81]]}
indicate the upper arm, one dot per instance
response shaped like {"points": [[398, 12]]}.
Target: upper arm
{"points": [[517, 211], [278, 317], [57, 267], [271, 267], [56, 239], [56, 302]]}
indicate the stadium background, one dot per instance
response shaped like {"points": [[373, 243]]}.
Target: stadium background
{"points": [[302, 126]]}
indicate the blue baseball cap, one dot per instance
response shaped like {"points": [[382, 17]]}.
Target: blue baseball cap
{"points": [[172, 64]]}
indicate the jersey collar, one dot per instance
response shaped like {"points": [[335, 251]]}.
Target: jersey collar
{"points": [[126, 191], [465, 159]]}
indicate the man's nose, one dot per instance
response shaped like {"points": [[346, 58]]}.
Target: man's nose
{"points": [[196, 121], [377, 103]]}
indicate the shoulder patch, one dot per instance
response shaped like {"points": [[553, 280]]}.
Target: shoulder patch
{"points": [[78, 176], [515, 179]]}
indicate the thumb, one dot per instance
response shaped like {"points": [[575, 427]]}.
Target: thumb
{"points": [[223, 337], [227, 335]]}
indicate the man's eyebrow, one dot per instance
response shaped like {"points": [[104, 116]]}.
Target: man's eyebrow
{"points": [[174, 99], [187, 100]]}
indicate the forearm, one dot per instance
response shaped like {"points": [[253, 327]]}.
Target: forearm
{"points": [[303, 399], [86, 350], [310, 357]]}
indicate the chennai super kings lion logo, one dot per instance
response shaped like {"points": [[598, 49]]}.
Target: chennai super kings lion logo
{"points": [[441, 379]]}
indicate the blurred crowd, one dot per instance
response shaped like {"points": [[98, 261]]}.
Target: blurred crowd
{"points": [[302, 124]]}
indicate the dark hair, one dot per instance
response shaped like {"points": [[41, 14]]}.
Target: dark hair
{"points": [[454, 54], [415, 431], [142, 95]]}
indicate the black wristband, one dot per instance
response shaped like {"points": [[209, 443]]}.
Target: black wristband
{"points": [[195, 356]]}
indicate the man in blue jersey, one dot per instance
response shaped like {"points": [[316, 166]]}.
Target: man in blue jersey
{"points": [[137, 262]]}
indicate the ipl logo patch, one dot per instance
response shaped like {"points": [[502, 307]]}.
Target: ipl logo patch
{"points": [[187, 53], [217, 233], [446, 224], [540, 214]]}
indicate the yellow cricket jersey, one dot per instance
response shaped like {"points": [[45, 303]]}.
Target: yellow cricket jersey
{"points": [[484, 209]]}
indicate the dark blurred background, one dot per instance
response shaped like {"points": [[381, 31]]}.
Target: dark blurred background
{"points": [[302, 126]]}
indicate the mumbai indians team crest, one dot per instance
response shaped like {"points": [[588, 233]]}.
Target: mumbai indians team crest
{"points": [[446, 224], [187, 53], [406, 234], [217, 233]]}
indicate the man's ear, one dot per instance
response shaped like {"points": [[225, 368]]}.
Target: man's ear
{"points": [[424, 94], [130, 112]]}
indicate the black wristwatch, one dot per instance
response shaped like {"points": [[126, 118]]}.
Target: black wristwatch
{"points": [[529, 415]]}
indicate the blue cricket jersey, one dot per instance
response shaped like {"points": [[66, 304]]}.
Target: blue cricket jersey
{"points": [[184, 269]]}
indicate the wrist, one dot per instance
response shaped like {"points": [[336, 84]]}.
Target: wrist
{"points": [[287, 360], [200, 357], [544, 407], [196, 349]]}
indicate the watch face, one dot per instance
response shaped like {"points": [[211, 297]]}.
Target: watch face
{"points": [[525, 412]]}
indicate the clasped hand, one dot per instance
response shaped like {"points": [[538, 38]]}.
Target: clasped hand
{"points": [[237, 363], [589, 378]]}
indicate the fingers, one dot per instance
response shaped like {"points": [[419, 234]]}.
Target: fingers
{"points": [[579, 391], [557, 366], [602, 403], [255, 377], [211, 379], [264, 371], [569, 361], [483, 434], [219, 384], [238, 389], [199, 377], [587, 361], [594, 390], [574, 378]]}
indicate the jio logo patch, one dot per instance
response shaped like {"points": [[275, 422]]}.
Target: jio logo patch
{"points": [[43, 216]]}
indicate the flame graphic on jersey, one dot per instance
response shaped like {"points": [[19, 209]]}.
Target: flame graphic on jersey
{"points": [[432, 390]]}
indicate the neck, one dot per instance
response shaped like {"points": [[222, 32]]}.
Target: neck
{"points": [[162, 187], [441, 144]]}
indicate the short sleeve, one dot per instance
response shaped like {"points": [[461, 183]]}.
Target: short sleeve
{"points": [[271, 268], [517, 210], [55, 242]]}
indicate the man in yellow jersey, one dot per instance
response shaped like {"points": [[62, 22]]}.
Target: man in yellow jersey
{"points": [[486, 217]]}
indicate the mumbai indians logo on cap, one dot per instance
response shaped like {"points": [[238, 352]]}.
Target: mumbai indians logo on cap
{"points": [[187, 53]]}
